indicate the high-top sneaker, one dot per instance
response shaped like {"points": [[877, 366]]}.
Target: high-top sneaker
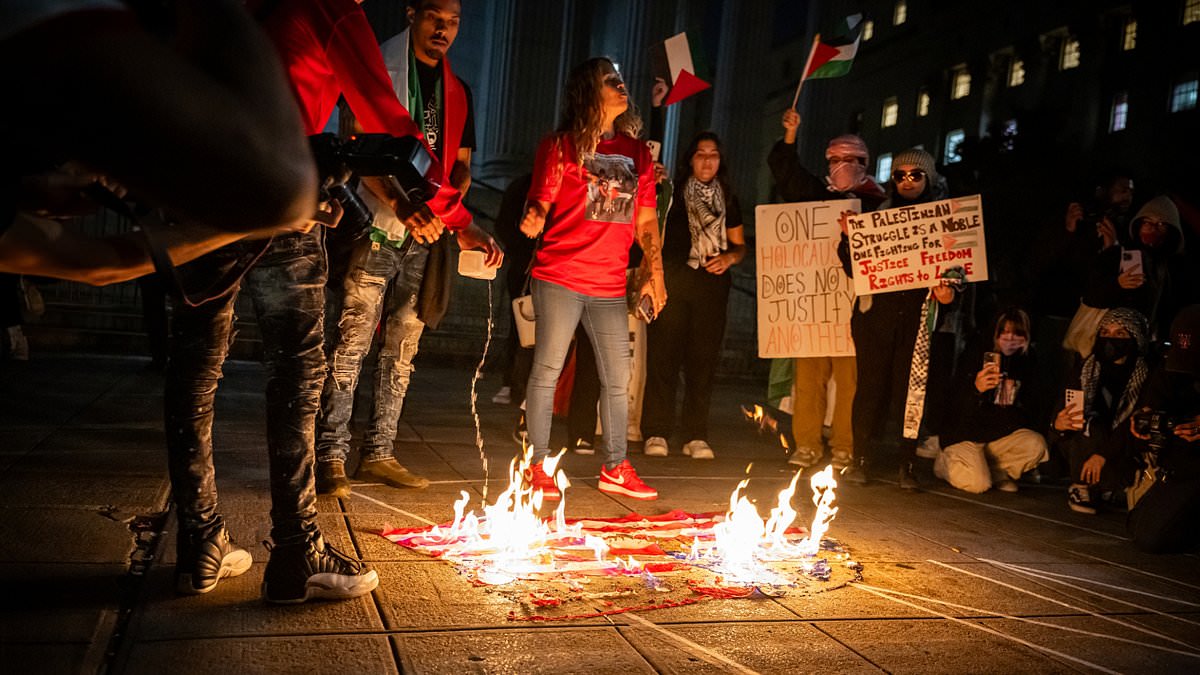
{"points": [[312, 570], [202, 561]]}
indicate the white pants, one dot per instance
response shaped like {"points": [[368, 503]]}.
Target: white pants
{"points": [[973, 467]]}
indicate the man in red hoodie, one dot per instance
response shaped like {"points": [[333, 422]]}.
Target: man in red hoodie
{"points": [[328, 50]]}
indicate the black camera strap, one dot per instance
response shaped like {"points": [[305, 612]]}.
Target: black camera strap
{"points": [[149, 225]]}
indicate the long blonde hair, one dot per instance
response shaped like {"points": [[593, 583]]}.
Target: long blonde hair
{"points": [[582, 110]]}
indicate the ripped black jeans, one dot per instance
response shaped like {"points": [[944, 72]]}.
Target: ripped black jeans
{"points": [[287, 289]]}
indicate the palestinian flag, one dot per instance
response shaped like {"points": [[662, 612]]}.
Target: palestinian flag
{"points": [[673, 61], [833, 58]]}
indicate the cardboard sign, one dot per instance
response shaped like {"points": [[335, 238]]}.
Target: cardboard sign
{"points": [[804, 296], [910, 246]]}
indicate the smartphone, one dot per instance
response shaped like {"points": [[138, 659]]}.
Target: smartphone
{"points": [[1074, 400], [991, 357], [1131, 261], [655, 150], [645, 309]]}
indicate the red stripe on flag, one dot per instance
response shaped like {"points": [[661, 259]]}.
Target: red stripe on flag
{"points": [[686, 84], [823, 54]]}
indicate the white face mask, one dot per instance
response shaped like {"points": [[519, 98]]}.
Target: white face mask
{"points": [[845, 176]]}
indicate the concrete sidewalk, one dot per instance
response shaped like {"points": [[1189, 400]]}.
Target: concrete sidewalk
{"points": [[87, 578]]}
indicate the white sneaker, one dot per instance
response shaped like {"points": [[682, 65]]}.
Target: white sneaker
{"points": [[656, 446], [503, 397], [698, 450], [929, 448]]}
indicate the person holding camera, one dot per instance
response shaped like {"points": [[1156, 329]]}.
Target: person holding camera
{"points": [[994, 442], [403, 279], [1165, 433], [1099, 399], [328, 50], [702, 241], [579, 267]]}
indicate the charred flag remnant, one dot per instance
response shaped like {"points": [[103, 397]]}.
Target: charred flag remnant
{"points": [[558, 568]]}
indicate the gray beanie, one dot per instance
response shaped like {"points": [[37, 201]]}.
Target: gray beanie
{"points": [[919, 158]]}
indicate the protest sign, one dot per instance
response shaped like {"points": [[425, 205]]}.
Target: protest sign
{"points": [[804, 296], [910, 246]]}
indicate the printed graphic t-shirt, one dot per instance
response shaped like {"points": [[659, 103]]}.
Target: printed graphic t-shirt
{"points": [[585, 244]]}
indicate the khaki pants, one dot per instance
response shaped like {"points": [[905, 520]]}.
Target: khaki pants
{"points": [[973, 467], [810, 400]]}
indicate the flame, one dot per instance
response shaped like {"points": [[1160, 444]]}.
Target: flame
{"points": [[744, 542]]}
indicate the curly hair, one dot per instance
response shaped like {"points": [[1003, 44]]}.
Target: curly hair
{"points": [[583, 112]]}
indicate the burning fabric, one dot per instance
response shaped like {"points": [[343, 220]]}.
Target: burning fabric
{"points": [[560, 568]]}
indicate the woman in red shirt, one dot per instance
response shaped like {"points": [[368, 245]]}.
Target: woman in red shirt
{"points": [[579, 266]]}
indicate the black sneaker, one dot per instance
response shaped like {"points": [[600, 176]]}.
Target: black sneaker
{"points": [[908, 479], [855, 473], [521, 433], [331, 479], [312, 570], [203, 561], [1079, 499]]}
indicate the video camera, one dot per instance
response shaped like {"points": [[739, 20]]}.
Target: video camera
{"points": [[403, 158], [1156, 424]]}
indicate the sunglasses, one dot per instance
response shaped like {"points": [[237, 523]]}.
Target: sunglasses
{"points": [[910, 176]]}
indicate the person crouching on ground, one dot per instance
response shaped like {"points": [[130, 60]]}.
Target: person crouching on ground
{"points": [[995, 442], [1090, 429]]}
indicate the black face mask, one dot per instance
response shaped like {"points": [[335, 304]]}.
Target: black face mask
{"points": [[1111, 349]]}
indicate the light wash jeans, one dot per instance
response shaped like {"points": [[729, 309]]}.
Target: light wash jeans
{"points": [[559, 310], [381, 279]]}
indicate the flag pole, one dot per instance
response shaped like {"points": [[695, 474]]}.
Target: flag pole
{"points": [[811, 53]]}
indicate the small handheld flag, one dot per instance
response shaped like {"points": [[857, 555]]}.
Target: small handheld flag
{"points": [[672, 62], [832, 58]]}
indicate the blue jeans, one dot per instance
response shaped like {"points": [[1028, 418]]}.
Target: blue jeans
{"points": [[287, 288], [559, 310], [380, 278]]}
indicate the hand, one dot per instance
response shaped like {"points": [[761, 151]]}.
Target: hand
{"points": [[657, 290], [534, 220], [791, 120], [1074, 215], [659, 93], [1091, 469], [475, 237], [943, 293], [424, 227], [1069, 419], [1107, 232], [660, 172], [1189, 431], [718, 264], [1131, 279], [988, 378], [844, 221]]}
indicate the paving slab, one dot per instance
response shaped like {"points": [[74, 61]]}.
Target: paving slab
{"points": [[64, 535], [793, 647], [548, 650], [290, 654]]}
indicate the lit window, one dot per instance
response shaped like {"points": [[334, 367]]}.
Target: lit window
{"points": [[891, 111], [1070, 53], [962, 83], [883, 170], [1191, 11], [1016, 72], [901, 13], [1129, 36], [923, 103], [1008, 135], [1120, 112], [1183, 96], [953, 140], [868, 30]]}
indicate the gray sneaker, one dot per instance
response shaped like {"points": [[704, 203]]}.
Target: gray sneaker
{"points": [[202, 561], [656, 446], [698, 450], [313, 570], [804, 456]]}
